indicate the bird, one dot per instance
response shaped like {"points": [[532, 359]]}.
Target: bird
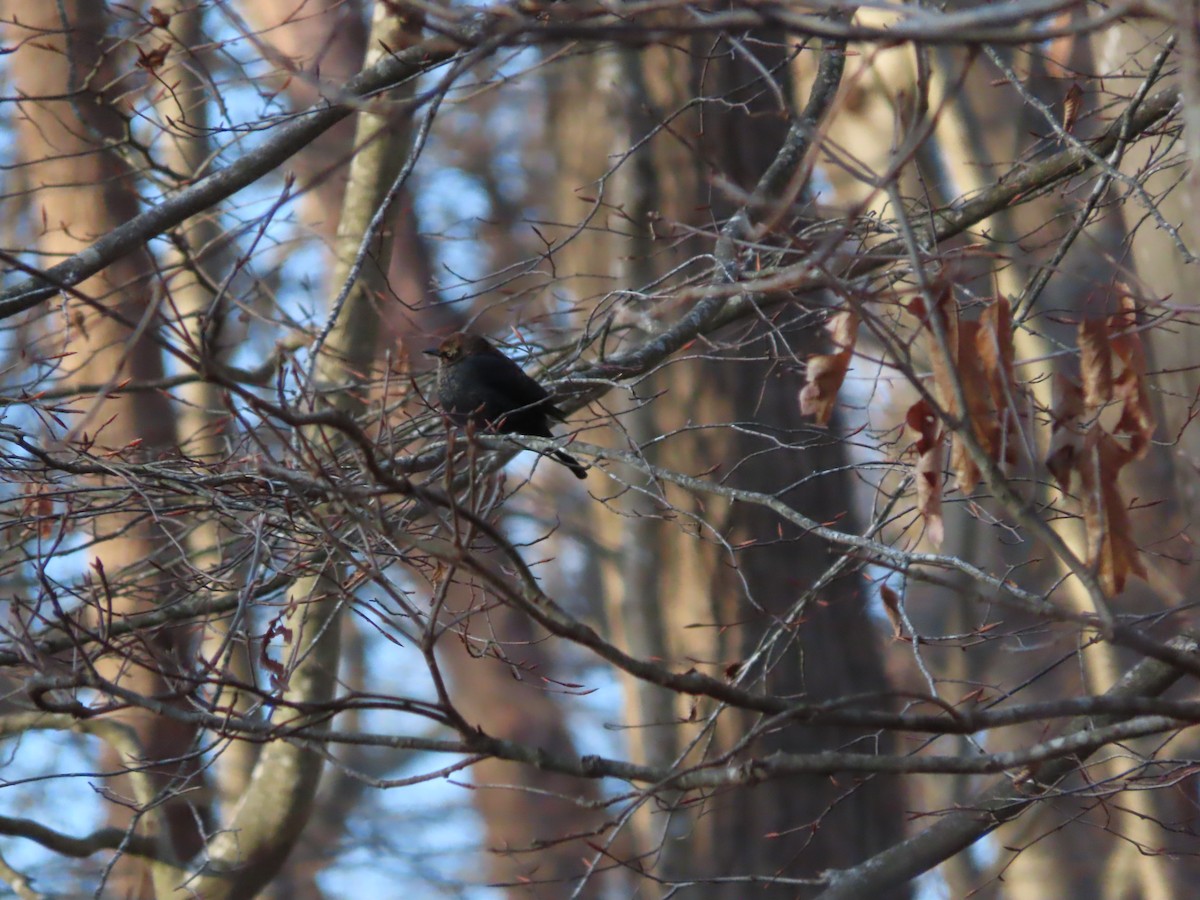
{"points": [[478, 384]]}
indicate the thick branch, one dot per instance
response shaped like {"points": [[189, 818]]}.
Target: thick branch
{"points": [[80, 847], [389, 72], [989, 809]]}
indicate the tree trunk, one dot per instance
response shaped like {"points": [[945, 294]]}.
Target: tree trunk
{"points": [[81, 188], [698, 581]]}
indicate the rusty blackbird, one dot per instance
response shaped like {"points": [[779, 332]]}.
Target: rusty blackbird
{"points": [[477, 383]]}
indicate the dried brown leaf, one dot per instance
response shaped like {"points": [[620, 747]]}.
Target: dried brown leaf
{"points": [[154, 59], [39, 506], [826, 372], [1112, 550], [1125, 339], [978, 357], [921, 420], [1137, 415], [944, 359], [1072, 103], [1066, 437], [1095, 362], [1129, 387], [980, 418], [891, 606], [994, 345]]}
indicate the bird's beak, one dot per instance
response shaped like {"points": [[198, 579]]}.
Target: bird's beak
{"points": [[432, 351]]}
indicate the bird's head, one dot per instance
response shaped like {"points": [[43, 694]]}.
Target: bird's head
{"points": [[460, 345]]}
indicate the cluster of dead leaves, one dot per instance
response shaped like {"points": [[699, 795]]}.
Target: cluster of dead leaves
{"points": [[152, 60], [973, 382], [1099, 424], [978, 355], [1112, 389]]}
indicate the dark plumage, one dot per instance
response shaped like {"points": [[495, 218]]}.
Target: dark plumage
{"points": [[477, 383]]}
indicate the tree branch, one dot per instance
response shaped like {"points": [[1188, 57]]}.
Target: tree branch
{"points": [[175, 208], [987, 810]]}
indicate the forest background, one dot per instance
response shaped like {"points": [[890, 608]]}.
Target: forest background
{"points": [[873, 328]]}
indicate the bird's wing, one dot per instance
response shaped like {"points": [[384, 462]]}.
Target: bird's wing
{"points": [[508, 379]]}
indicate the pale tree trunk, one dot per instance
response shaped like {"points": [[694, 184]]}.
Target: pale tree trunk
{"points": [[601, 104], [320, 46], [320, 50], [972, 143], [1157, 271], [323, 45], [80, 189], [1084, 862], [341, 38], [206, 315], [327, 46], [263, 829], [975, 143]]}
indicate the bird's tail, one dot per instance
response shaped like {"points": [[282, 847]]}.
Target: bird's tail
{"points": [[571, 463]]}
